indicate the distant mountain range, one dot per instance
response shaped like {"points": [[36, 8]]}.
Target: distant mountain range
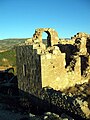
{"points": [[7, 44], [8, 53]]}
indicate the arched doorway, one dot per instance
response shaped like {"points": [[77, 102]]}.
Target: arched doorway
{"points": [[46, 38]]}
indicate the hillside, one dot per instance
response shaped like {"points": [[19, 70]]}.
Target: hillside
{"points": [[7, 44], [7, 52]]}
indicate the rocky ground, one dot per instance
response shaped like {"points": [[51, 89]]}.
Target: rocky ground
{"points": [[79, 93], [82, 94], [9, 114]]}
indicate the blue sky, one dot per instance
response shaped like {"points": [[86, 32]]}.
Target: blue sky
{"points": [[20, 18]]}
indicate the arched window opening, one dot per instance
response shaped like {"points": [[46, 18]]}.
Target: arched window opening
{"points": [[46, 38]]}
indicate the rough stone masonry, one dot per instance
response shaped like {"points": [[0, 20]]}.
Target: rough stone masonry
{"points": [[59, 64]]}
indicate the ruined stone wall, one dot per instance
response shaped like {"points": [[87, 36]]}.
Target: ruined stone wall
{"points": [[28, 69], [52, 37], [58, 65], [77, 55], [82, 43], [53, 69]]}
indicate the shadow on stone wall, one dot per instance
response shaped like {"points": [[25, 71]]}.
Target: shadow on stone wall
{"points": [[69, 50]]}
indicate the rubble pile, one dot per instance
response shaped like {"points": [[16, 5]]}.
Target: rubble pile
{"points": [[73, 101]]}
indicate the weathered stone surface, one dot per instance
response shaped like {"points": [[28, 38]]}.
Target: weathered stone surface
{"points": [[52, 38], [82, 96], [29, 73], [73, 101], [59, 65]]}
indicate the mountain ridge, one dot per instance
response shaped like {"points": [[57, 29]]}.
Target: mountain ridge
{"points": [[7, 44]]}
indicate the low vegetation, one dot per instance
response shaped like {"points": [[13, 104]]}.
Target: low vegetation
{"points": [[7, 52]]}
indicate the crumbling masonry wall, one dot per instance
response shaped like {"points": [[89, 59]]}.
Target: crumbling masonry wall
{"points": [[59, 65], [28, 69]]}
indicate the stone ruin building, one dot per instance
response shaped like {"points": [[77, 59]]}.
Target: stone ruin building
{"points": [[59, 64]]}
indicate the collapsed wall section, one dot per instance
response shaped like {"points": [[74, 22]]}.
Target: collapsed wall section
{"points": [[82, 44]]}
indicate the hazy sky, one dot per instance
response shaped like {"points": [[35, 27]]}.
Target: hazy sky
{"points": [[20, 18]]}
